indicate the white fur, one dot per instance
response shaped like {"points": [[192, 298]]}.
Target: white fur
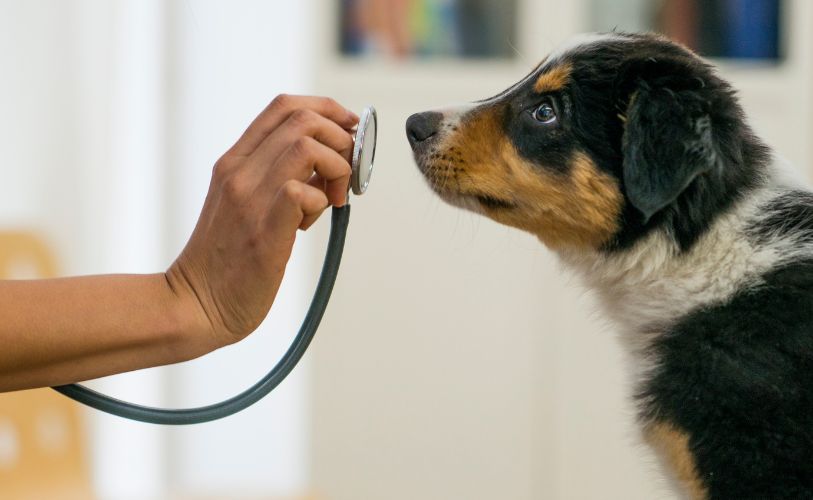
{"points": [[651, 285], [453, 114], [580, 41], [648, 287]]}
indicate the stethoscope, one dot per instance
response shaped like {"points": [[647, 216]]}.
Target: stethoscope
{"points": [[362, 168]]}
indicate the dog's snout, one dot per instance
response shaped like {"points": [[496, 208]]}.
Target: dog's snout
{"points": [[422, 126]]}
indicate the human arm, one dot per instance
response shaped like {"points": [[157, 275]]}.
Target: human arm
{"points": [[289, 165]]}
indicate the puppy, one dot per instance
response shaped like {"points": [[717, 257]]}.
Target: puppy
{"points": [[631, 158]]}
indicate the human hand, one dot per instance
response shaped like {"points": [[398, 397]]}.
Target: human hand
{"points": [[290, 164]]}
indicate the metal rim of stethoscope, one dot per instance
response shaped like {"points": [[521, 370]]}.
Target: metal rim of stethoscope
{"points": [[362, 166], [361, 169]]}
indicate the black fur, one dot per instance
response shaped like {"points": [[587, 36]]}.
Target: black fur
{"points": [[687, 156], [787, 215], [667, 143], [552, 147], [735, 376], [738, 379], [684, 93]]}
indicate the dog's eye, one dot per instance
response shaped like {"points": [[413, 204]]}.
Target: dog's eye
{"points": [[545, 113]]}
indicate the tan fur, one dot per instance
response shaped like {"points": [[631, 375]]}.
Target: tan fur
{"points": [[673, 445], [553, 79], [574, 209]]}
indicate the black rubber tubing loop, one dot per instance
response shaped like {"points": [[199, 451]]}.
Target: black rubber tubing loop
{"points": [[330, 269]]}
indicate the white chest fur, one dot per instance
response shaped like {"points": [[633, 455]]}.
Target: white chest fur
{"points": [[651, 285]]}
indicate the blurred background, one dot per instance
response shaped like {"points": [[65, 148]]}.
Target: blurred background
{"points": [[456, 360]]}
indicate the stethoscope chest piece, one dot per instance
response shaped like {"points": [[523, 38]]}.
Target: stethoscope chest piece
{"points": [[364, 151]]}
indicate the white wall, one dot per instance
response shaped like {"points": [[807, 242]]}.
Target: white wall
{"points": [[111, 117], [229, 60], [37, 135]]}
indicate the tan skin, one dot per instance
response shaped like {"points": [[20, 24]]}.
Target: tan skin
{"points": [[290, 164]]}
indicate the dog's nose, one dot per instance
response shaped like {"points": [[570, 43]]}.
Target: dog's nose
{"points": [[422, 126]]}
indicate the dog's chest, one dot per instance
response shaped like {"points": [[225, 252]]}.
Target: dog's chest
{"points": [[662, 286], [652, 285]]}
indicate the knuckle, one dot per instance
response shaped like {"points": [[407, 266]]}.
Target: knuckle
{"points": [[235, 187], [223, 168], [330, 102], [282, 101], [304, 118], [304, 145], [292, 191]]}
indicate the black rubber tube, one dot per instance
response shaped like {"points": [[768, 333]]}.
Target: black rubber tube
{"points": [[330, 269]]}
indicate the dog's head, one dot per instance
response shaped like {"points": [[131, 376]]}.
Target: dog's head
{"points": [[609, 138]]}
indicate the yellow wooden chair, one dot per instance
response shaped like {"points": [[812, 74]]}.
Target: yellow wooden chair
{"points": [[42, 452]]}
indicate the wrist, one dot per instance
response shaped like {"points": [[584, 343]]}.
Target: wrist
{"points": [[188, 322]]}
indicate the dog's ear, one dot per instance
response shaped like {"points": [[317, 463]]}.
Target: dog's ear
{"points": [[668, 141]]}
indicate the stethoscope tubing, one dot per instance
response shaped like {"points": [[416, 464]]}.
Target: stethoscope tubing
{"points": [[340, 218]]}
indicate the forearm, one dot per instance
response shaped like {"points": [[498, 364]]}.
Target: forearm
{"points": [[289, 165], [59, 331]]}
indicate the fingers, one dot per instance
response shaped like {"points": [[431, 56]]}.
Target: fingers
{"points": [[296, 206], [307, 156], [294, 157], [280, 109], [318, 182], [303, 123], [309, 219]]}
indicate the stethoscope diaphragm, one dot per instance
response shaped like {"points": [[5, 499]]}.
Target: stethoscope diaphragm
{"points": [[364, 151]]}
